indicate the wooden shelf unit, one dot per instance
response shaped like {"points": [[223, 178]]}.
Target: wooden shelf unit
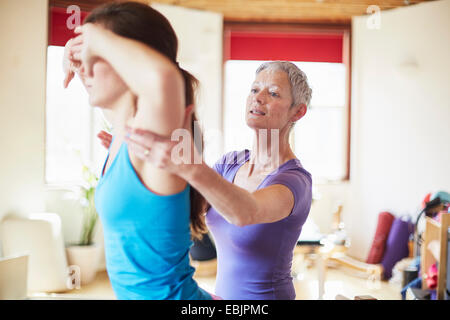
{"points": [[435, 231]]}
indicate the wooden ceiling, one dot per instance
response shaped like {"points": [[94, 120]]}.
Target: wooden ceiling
{"points": [[281, 11]]}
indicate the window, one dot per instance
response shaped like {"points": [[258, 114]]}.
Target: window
{"points": [[71, 126], [71, 123], [320, 138]]}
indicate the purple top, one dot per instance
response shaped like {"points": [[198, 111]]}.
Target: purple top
{"points": [[254, 261]]}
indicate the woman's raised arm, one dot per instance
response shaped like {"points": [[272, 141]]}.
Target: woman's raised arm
{"points": [[151, 76]]}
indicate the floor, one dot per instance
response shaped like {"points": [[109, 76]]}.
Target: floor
{"points": [[338, 280], [345, 282]]}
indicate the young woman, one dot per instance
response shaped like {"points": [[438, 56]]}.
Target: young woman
{"points": [[259, 198], [125, 54]]}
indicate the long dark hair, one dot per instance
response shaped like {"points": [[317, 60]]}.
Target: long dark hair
{"points": [[142, 23]]}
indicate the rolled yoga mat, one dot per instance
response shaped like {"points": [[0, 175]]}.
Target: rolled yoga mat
{"points": [[396, 245], [376, 252]]}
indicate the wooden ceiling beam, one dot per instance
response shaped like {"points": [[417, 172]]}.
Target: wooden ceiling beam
{"points": [[86, 5], [320, 11], [286, 11]]}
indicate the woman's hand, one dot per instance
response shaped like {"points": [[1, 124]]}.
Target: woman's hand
{"points": [[105, 138], [83, 47], [157, 149], [79, 52]]}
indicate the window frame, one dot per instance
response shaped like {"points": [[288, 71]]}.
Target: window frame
{"points": [[59, 7], [90, 149]]}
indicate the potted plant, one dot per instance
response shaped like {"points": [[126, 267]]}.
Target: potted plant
{"points": [[84, 257]]}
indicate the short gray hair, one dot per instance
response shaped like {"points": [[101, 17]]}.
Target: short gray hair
{"points": [[300, 90]]}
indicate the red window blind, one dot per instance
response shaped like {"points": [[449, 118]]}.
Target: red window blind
{"points": [[59, 33], [285, 46]]}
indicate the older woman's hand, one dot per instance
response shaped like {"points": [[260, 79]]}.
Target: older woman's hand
{"points": [[160, 151]]}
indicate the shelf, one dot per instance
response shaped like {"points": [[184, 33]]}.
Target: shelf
{"points": [[435, 231]]}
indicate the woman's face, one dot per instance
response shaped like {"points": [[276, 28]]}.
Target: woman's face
{"points": [[105, 86], [269, 102]]}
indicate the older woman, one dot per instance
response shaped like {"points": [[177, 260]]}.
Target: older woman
{"points": [[259, 198]]}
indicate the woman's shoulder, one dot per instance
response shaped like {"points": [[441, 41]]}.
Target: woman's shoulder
{"points": [[291, 169], [235, 157], [299, 181], [295, 167], [156, 180], [230, 160]]}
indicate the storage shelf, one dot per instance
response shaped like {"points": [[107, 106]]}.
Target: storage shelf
{"points": [[435, 230]]}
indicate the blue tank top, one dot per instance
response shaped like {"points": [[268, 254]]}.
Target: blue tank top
{"points": [[147, 236]]}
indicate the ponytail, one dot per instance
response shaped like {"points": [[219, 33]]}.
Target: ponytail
{"points": [[198, 202]]}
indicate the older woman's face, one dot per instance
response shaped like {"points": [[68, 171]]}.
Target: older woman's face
{"points": [[269, 101]]}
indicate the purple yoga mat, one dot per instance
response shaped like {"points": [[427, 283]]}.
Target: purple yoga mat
{"points": [[396, 245]]}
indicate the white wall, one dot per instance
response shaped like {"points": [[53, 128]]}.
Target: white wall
{"points": [[400, 115], [200, 37], [327, 198], [23, 39]]}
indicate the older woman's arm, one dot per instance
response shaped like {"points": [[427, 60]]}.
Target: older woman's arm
{"points": [[235, 204]]}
